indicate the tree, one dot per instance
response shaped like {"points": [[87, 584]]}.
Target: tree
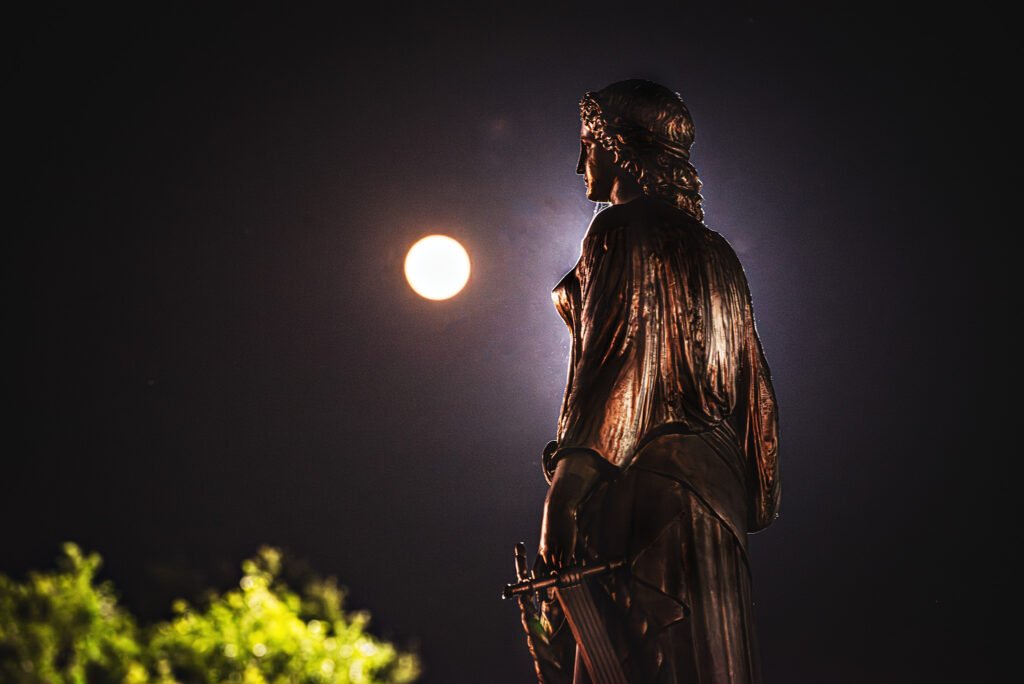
{"points": [[63, 627]]}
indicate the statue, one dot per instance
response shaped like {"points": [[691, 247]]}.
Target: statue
{"points": [[666, 454]]}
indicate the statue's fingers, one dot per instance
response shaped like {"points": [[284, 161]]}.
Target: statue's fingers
{"points": [[557, 561], [550, 562]]}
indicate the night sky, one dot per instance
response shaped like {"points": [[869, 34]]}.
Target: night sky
{"points": [[214, 346]]}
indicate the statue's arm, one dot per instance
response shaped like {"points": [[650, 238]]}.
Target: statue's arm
{"points": [[761, 416], [763, 445], [602, 396], [599, 397], [576, 474]]}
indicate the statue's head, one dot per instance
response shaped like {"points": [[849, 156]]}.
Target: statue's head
{"points": [[647, 131]]}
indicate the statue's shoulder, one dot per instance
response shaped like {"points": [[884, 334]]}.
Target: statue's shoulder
{"points": [[648, 219]]}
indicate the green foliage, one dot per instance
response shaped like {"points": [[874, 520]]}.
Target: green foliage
{"points": [[62, 627], [263, 632]]}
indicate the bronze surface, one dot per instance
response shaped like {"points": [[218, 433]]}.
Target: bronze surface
{"points": [[666, 452]]}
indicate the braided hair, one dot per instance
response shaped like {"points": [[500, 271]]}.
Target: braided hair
{"points": [[648, 130]]}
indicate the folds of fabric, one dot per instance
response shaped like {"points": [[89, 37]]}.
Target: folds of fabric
{"points": [[669, 387], [681, 609], [663, 333]]}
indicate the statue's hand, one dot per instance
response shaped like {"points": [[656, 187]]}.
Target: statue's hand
{"points": [[558, 530], [575, 475]]}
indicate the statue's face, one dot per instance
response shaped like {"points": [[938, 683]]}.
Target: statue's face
{"points": [[597, 166]]}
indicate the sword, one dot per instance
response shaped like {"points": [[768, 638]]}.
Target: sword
{"points": [[592, 642]]}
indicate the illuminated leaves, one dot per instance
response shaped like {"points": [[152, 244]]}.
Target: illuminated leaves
{"points": [[62, 627]]}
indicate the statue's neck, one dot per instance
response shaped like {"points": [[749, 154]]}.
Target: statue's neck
{"points": [[625, 190]]}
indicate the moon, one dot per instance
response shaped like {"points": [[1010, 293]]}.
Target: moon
{"points": [[437, 267]]}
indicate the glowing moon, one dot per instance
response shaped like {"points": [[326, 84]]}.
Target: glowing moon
{"points": [[437, 267]]}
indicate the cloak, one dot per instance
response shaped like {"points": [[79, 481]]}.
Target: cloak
{"points": [[669, 390], [664, 341]]}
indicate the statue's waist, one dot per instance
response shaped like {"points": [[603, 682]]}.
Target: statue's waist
{"points": [[709, 463]]}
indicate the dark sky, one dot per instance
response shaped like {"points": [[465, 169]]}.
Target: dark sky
{"points": [[214, 346]]}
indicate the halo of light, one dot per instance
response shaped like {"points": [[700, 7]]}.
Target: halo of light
{"points": [[437, 267]]}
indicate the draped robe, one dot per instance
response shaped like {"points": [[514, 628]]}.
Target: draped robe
{"points": [[669, 390]]}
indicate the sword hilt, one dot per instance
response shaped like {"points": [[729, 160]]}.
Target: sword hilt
{"points": [[522, 569], [567, 575]]}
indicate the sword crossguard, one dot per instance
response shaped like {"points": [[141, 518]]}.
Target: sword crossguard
{"points": [[569, 576]]}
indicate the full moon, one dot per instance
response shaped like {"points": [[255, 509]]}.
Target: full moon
{"points": [[437, 267]]}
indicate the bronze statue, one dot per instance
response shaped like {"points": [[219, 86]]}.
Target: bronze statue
{"points": [[666, 454]]}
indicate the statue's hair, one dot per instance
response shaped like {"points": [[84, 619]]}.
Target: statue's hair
{"points": [[648, 130]]}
